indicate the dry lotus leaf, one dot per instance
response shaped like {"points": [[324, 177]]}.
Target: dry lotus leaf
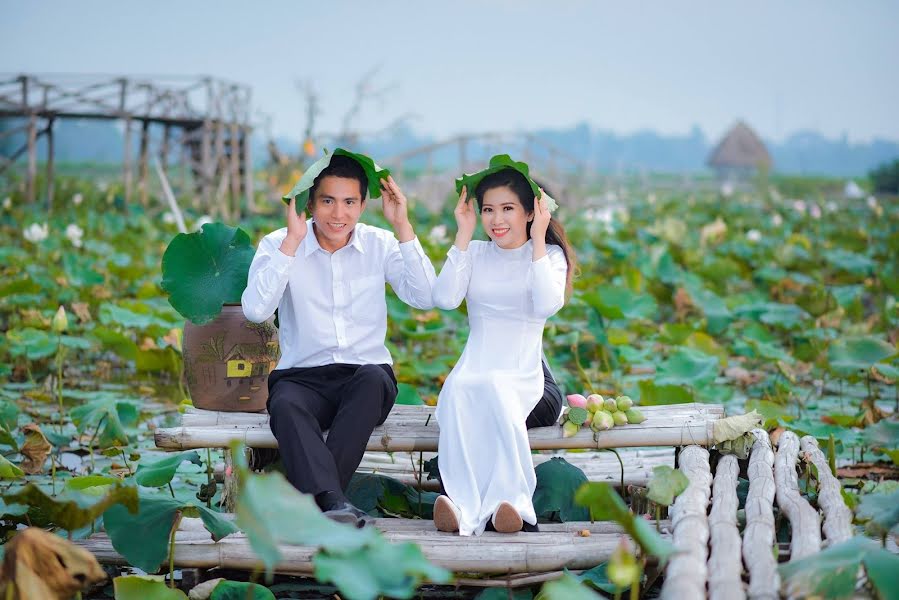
{"points": [[731, 428], [46, 566], [36, 449], [82, 311]]}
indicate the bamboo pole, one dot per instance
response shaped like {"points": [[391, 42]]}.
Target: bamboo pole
{"points": [[837, 516], [686, 574], [804, 520], [402, 432], [246, 149], [126, 161], [234, 162], [725, 564], [758, 535]]}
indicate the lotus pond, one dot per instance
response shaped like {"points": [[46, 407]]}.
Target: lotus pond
{"points": [[787, 306]]}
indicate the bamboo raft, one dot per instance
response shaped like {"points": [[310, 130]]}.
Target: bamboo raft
{"points": [[414, 429], [710, 544], [555, 547]]}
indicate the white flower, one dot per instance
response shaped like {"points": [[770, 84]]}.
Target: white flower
{"points": [[852, 190], [102, 186], [777, 220], [74, 233], [437, 235], [168, 218], [202, 221], [7, 203], [35, 233], [727, 189], [832, 206], [651, 198], [753, 235], [799, 206], [77, 199], [814, 211], [872, 202]]}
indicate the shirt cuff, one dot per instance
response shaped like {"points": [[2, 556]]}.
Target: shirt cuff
{"points": [[412, 248], [280, 260], [454, 252]]}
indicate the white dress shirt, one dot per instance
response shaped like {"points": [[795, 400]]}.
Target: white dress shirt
{"points": [[332, 307]]}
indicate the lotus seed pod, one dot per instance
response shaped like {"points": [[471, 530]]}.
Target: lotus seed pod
{"points": [[569, 429], [610, 406], [594, 402], [602, 421], [577, 416], [619, 417], [634, 416], [577, 400], [624, 402]]}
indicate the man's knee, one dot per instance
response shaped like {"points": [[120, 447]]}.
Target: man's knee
{"points": [[373, 376]]}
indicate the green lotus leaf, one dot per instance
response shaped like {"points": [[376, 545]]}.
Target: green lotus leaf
{"points": [[373, 172], [833, 573], [687, 366], [569, 587], [378, 569], [156, 515], [111, 415], [605, 504], [161, 472], [665, 484], [557, 481], [852, 355], [497, 163], [614, 302], [203, 270], [145, 587], [8, 470], [241, 590], [71, 509]]}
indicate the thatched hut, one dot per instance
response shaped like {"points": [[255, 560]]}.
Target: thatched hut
{"points": [[740, 154]]}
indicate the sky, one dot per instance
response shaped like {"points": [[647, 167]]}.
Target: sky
{"points": [[499, 65]]}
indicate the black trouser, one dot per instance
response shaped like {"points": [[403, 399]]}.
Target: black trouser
{"points": [[547, 411], [347, 400]]}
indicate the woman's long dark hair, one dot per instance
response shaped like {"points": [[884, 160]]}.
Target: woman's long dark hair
{"points": [[555, 233]]}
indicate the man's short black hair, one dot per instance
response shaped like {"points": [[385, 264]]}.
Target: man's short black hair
{"points": [[342, 166]]}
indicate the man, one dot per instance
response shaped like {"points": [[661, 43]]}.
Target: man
{"points": [[326, 278]]}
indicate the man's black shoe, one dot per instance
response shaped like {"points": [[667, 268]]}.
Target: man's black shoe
{"points": [[347, 513]]}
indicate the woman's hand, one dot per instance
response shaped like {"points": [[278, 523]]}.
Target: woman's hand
{"points": [[466, 220], [541, 219], [396, 209], [296, 229]]}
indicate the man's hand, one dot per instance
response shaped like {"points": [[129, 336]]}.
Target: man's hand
{"points": [[396, 209], [296, 229]]}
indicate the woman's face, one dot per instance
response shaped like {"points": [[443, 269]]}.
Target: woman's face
{"points": [[504, 218]]}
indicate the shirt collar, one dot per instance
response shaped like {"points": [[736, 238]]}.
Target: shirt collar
{"points": [[312, 244]]}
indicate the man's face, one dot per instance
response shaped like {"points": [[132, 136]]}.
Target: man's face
{"points": [[336, 209]]}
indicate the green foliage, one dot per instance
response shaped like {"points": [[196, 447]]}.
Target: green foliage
{"points": [[144, 587], [606, 505], [497, 163], [204, 270], [160, 473], [373, 173], [665, 484], [886, 178], [557, 482], [240, 590], [109, 416], [832, 573], [157, 517], [566, 587], [71, 509]]}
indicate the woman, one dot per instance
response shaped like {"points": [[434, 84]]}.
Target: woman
{"points": [[512, 284]]}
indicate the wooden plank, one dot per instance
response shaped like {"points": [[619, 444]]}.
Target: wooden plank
{"points": [[725, 562], [560, 546], [414, 429]]}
